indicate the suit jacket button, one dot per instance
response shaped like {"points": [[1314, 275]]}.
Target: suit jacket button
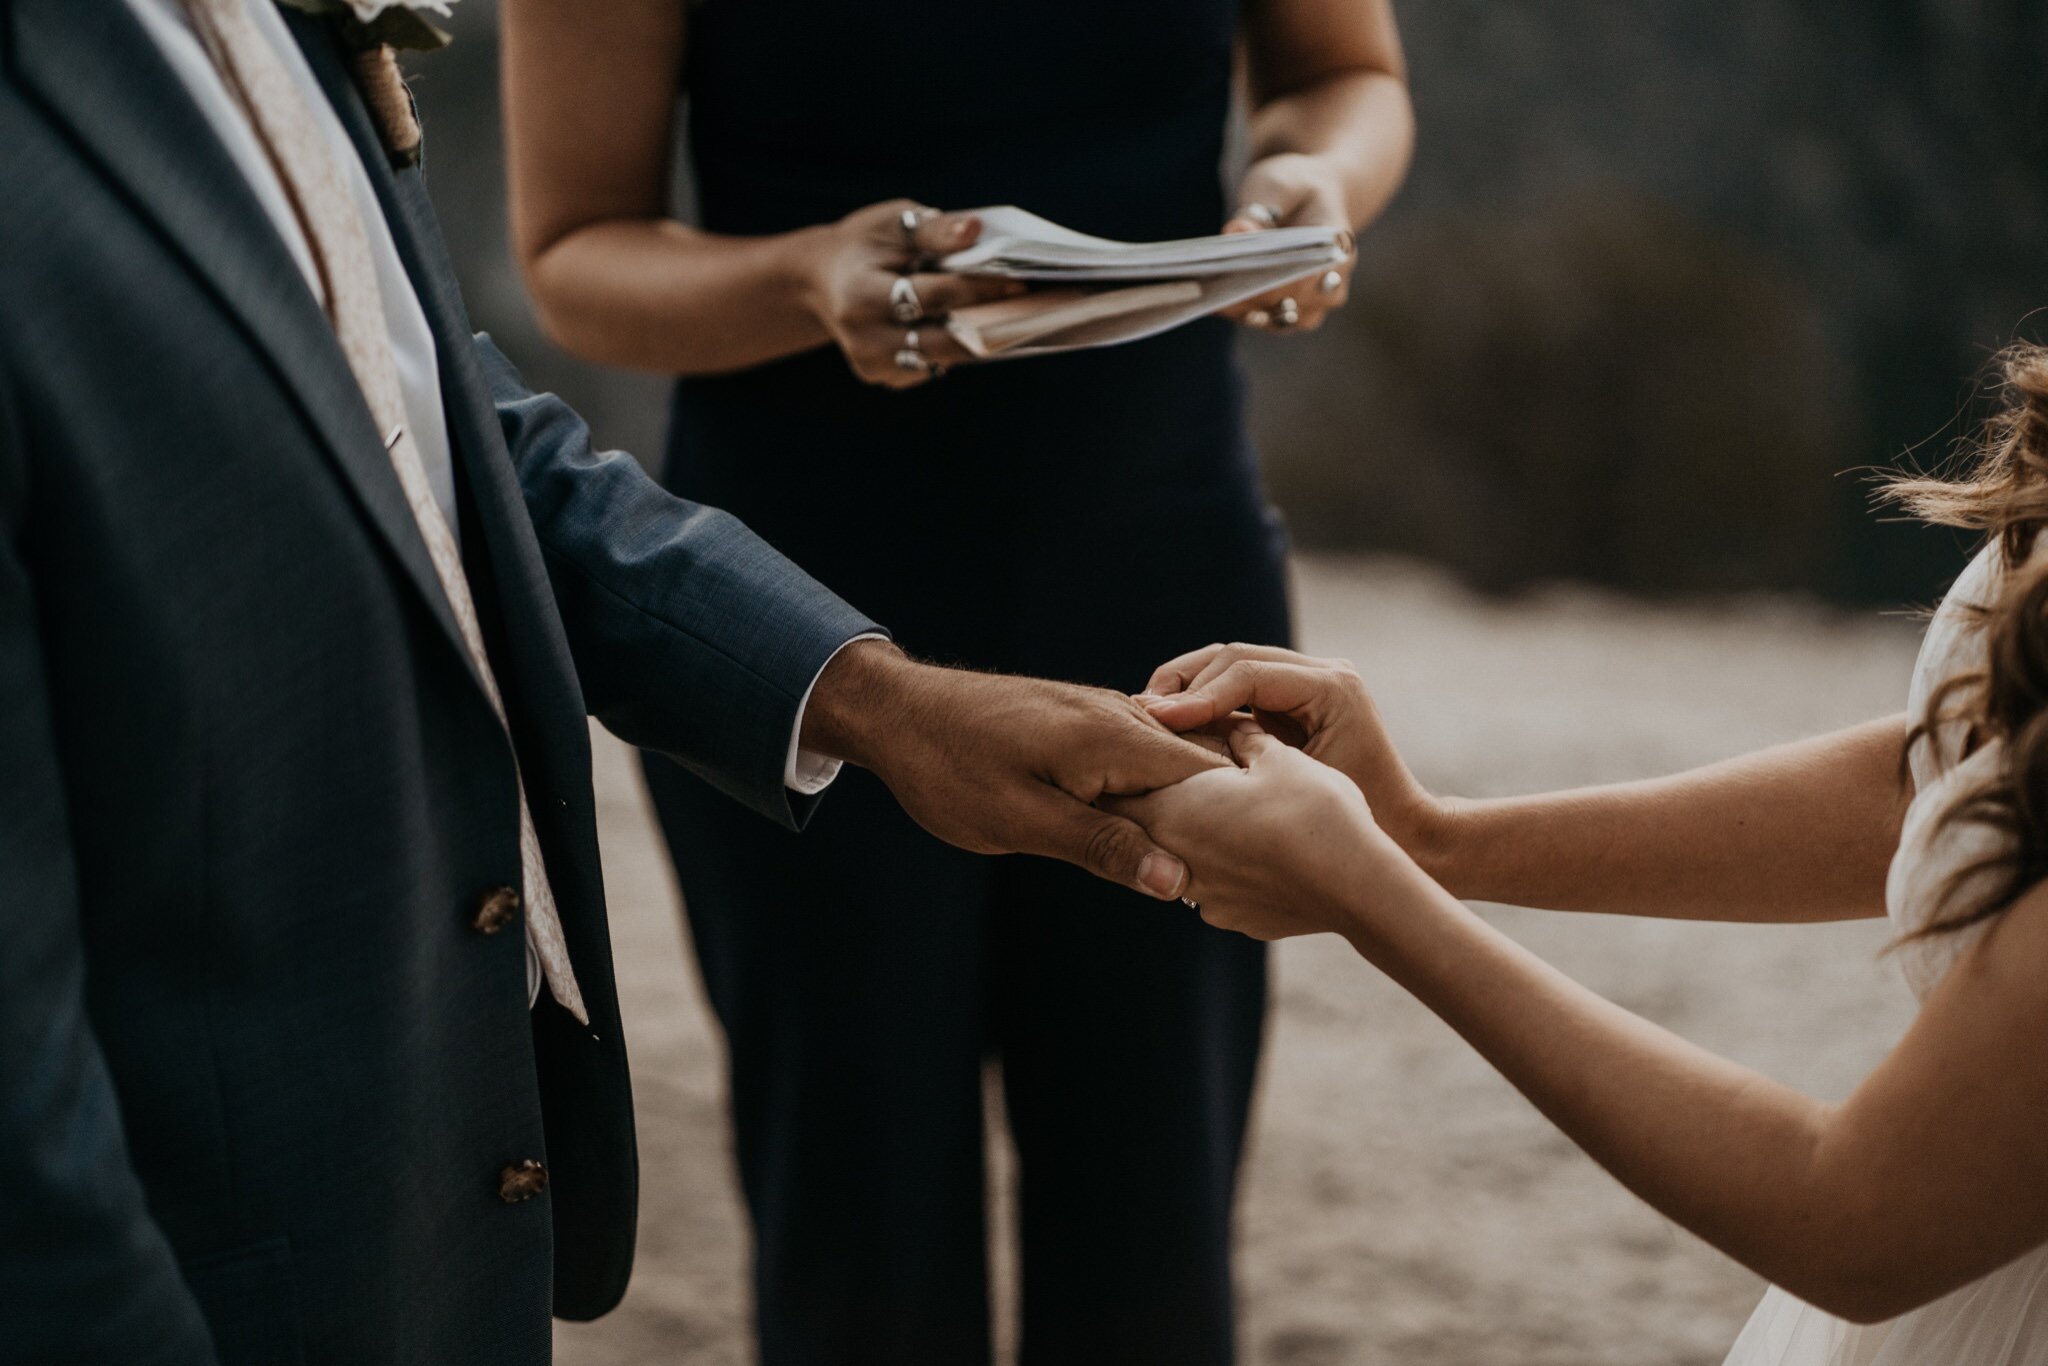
{"points": [[494, 910], [522, 1181]]}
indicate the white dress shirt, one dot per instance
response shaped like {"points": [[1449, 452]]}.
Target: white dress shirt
{"points": [[412, 341]]}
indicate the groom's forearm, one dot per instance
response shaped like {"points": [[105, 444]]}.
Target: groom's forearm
{"points": [[690, 635], [870, 692]]}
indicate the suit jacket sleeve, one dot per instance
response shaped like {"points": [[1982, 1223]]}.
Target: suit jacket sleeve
{"points": [[691, 635], [85, 1272]]}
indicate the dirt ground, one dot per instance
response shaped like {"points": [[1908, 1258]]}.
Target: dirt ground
{"points": [[1401, 1203]]}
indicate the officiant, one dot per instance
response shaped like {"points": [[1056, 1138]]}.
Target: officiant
{"points": [[1081, 516]]}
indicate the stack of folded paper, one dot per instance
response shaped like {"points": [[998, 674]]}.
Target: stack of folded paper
{"points": [[1102, 292]]}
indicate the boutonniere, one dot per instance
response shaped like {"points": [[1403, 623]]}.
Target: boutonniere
{"points": [[385, 23], [374, 30]]}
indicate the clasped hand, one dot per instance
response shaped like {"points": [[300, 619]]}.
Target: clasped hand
{"points": [[1238, 780], [1318, 809]]}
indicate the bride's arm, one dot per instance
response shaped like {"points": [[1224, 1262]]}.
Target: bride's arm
{"points": [[1800, 832], [1933, 1173]]}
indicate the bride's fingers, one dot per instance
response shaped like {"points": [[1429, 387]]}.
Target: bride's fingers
{"points": [[1198, 667], [1229, 659], [1254, 684], [1175, 674], [1189, 671], [1273, 654]]}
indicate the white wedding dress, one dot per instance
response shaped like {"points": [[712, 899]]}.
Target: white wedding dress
{"points": [[2001, 1319]]}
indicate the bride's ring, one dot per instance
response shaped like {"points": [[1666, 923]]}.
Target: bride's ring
{"points": [[904, 305], [911, 358], [1262, 214]]}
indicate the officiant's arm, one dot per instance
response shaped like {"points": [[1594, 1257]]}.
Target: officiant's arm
{"points": [[85, 1272], [1801, 832], [1332, 129], [1933, 1173], [617, 279]]}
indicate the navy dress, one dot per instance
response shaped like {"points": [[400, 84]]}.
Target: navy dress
{"points": [[1082, 517]]}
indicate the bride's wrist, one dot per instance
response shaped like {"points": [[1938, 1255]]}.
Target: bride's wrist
{"points": [[1350, 888], [1389, 887], [1433, 837]]}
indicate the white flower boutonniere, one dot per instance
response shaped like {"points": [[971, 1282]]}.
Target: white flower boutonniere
{"points": [[386, 23], [373, 30]]}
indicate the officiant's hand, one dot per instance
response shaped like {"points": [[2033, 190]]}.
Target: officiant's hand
{"points": [[1320, 706], [1293, 190], [868, 281], [1003, 765]]}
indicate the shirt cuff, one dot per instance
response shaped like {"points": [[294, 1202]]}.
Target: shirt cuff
{"points": [[805, 773]]}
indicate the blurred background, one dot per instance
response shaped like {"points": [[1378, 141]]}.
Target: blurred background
{"points": [[1581, 478], [1665, 281]]}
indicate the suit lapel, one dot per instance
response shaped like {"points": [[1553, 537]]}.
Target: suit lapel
{"points": [[525, 598], [97, 70], [534, 664]]}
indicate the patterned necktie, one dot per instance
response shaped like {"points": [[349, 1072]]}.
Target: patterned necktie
{"points": [[297, 147]]}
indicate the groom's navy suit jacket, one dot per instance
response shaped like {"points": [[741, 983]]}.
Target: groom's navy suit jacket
{"points": [[260, 1068]]}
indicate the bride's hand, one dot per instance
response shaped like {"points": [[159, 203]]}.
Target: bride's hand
{"points": [[854, 285], [1282, 846], [1320, 706]]}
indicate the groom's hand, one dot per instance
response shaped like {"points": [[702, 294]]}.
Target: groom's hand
{"points": [[1004, 765]]}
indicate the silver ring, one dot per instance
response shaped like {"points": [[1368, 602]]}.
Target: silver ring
{"points": [[904, 305], [1191, 903], [1286, 313], [1262, 214], [1332, 281], [911, 358], [910, 220]]}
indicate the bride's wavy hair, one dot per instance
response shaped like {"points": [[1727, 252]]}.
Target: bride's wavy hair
{"points": [[2001, 490]]}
